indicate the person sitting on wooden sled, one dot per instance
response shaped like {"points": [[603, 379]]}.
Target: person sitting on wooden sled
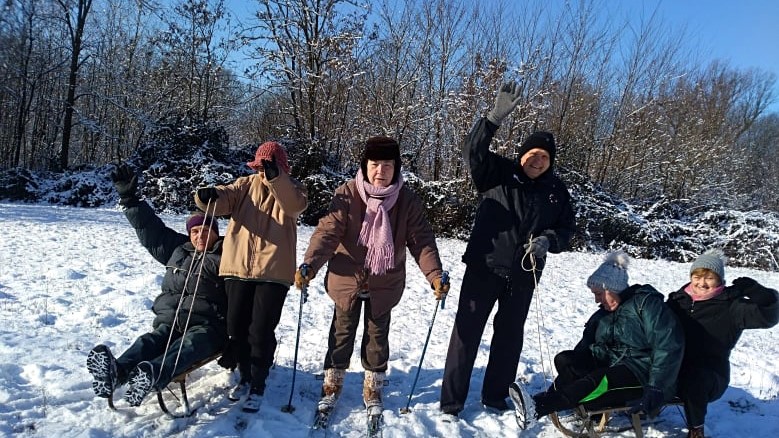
{"points": [[630, 352], [189, 326]]}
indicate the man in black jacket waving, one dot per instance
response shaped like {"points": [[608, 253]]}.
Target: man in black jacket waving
{"points": [[525, 211], [189, 325]]}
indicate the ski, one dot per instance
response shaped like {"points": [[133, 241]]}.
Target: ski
{"points": [[322, 415], [375, 421]]}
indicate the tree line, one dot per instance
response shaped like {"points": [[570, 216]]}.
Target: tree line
{"points": [[631, 104]]}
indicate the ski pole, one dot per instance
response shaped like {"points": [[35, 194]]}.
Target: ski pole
{"points": [[406, 410], [303, 298]]}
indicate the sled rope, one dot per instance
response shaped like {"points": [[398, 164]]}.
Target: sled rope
{"points": [[540, 324], [184, 295]]}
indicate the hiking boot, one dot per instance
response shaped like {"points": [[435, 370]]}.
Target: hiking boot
{"points": [[696, 432], [331, 389], [102, 366], [239, 391], [253, 401], [524, 405], [139, 383], [371, 391]]}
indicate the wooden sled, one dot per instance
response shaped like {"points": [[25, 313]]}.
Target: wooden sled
{"points": [[592, 423], [181, 380]]}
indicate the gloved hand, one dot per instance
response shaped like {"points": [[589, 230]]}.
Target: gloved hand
{"points": [[207, 194], [271, 168], [744, 283], [126, 184], [749, 288], [440, 289], [505, 102], [650, 403], [303, 275], [538, 247]]}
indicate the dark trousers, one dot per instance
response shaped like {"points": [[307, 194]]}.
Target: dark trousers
{"points": [[374, 350], [583, 381], [253, 312], [479, 292], [200, 342], [697, 388]]}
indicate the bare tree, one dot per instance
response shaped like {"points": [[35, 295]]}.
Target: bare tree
{"points": [[75, 18]]}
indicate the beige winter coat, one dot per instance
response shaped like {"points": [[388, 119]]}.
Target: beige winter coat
{"points": [[335, 242], [261, 238]]}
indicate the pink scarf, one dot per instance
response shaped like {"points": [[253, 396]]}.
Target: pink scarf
{"points": [[714, 292], [376, 232]]}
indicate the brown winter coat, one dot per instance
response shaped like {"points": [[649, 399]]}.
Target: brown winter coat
{"points": [[335, 242], [261, 238]]}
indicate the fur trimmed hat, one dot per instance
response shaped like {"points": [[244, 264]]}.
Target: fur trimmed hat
{"points": [[539, 139], [714, 260], [381, 148], [198, 218], [267, 151], [612, 274]]}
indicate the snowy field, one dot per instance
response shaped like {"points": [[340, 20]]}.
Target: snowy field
{"points": [[71, 278]]}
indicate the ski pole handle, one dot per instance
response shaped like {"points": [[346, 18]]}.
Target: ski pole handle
{"points": [[304, 289], [444, 280]]}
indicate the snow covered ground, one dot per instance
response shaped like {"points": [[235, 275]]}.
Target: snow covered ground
{"points": [[71, 278]]}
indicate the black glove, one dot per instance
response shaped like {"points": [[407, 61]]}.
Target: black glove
{"points": [[126, 184], [744, 283], [271, 168], [650, 403], [749, 288], [207, 194]]}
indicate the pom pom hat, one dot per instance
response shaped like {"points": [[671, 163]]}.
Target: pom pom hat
{"points": [[714, 260], [612, 274]]}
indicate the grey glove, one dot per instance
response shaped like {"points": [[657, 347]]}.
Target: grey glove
{"points": [[505, 102], [538, 247]]}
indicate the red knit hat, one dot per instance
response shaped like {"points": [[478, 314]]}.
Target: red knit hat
{"points": [[268, 150]]}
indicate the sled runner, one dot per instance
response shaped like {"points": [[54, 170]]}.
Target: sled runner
{"points": [[181, 380], [592, 423]]}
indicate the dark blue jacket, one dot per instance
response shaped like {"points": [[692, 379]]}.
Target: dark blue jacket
{"points": [[513, 207], [204, 293]]}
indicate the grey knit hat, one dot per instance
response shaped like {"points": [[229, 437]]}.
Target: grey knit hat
{"points": [[714, 260], [612, 274]]}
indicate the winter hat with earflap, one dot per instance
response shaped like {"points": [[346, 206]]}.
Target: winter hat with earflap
{"points": [[542, 140], [267, 151], [381, 148], [612, 274], [714, 260]]}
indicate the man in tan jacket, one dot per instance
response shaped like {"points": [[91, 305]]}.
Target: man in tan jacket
{"points": [[258, 261]]}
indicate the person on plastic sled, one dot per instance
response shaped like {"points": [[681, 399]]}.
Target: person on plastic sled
{"points": [[629, 354], [190, 312], [713, 316]]}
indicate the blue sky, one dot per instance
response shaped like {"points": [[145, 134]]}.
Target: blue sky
{"points": [[743, 32]]}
